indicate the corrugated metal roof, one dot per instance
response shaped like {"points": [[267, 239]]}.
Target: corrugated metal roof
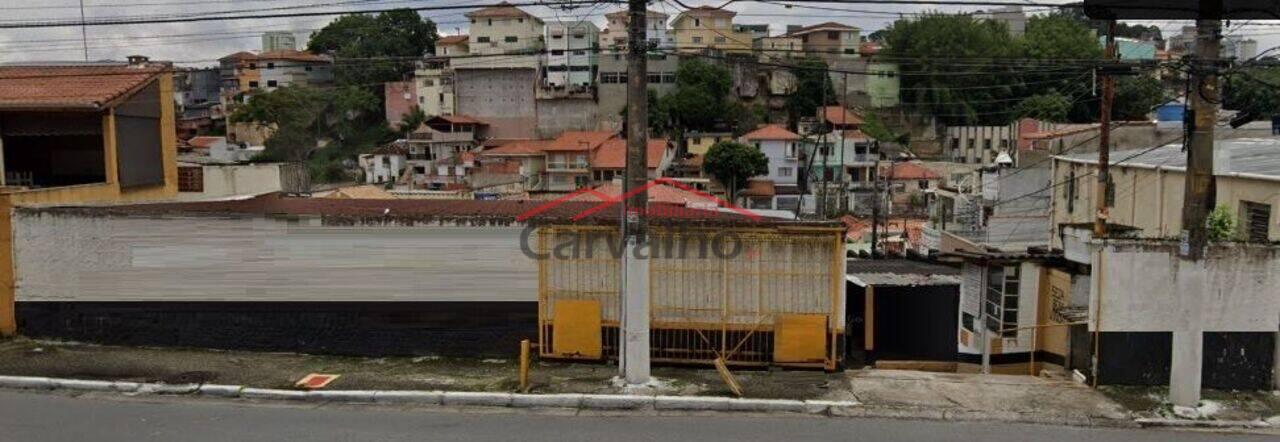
{"points": [[900, 272], [1259, 156]]}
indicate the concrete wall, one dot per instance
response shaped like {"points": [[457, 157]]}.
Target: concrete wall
{"points": [[238, 179], [504, 98], [1151, 199], [563, 114], [257, 259]]}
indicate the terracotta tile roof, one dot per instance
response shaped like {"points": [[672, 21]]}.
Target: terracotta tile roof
{"points": [[659, 192], [365, 192], [392, 148], [459, 119], [823, 26], [504, 9], [840, 115], [708, 10], [910, 171], [242, 55], [293, 55], [204, 142], [771, 132], [759, 188], [72, 86], [519, 147], [576, 140], [854, 135], [453, 39], [613, 154]]}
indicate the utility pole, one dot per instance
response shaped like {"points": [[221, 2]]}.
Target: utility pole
{"points": [[84, 33], [633, 359], [875, 208], [1201, 191], [1104, 138]]}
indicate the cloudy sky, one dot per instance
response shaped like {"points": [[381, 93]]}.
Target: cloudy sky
{"points": [[201, 43]]}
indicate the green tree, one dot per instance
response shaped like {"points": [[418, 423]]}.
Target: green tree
{"points": [[410, 121], [1136, 97], [380, 48], [1052, 107], [296, 115], [701, 96], [1249, 92], [934, 47], [813, 89], [733, 163]]}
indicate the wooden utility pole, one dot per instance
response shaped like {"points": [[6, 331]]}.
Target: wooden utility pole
{"points": [[1201, 191], [1104, 138], [633, 360]]}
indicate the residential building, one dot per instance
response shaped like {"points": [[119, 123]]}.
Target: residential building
{"points": [[754, 31], [435, 86], [615, 38], [504, 29], [204, 178], [981, 144], [385, 164], [439, 139], [453, 45], [698, 143], [612, 83], [568, 164], [829, 40], [779, 47], [783, 149], [401, 97], [279, 41], [196, 93], [1148, 188], [289, 67], [79, 133], [530, 156], [1014, 19], [239, 74], [909, 183], [709, 28], [609, 160], [571, 54]]}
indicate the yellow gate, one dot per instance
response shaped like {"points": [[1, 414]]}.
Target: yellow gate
{"points": [[752, 296]]}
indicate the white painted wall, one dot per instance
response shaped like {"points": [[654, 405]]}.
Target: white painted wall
{"points": [[224, 180], [74, 257]]}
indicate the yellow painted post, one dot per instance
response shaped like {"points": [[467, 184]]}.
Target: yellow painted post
{"points": [[524, 366]]}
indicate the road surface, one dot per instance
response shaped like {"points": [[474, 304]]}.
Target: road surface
{"points": [[51, 417]]}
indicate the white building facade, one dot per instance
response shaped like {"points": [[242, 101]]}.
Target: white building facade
{"points": [[571, 55]]}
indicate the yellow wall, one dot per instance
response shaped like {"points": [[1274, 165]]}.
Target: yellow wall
{"points": [[1055, 292], [108, 191], [699, 145], [691, 37]]}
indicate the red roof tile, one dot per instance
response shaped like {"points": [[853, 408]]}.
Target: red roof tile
{"points": [[822, 26], [771, 132], [840, 115], [613, 154], [658, 193], [910, 171], [204, 142], [293, 55], [759, 188], [576, 140], [519, 147], [452, 39], [72, 87]]}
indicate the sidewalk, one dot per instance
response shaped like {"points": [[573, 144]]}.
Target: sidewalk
{"points": [[881, 393]]}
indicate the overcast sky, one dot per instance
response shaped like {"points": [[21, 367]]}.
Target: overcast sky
{"points": [[202, 43]]}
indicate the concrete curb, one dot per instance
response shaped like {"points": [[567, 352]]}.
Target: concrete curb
{"points": [[606, 402], [1186, 423]]}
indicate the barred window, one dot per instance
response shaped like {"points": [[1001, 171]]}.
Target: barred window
{"points": [[191, 179]]}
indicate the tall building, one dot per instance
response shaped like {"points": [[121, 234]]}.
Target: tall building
{"points": [[614, 35], [1011, 16], [278, 41], [709, 28], [571, 54]]}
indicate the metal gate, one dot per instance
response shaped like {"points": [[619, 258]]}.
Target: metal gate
{"points": [[752, 296]]}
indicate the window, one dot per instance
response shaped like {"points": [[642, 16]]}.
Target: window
{"points": [[923, 184], [697, 22], [428, 82], [191, 179], [579, 68], [721, 40], [511, 39], [697, 39], [422, 100], [482, 39], [271, 83], [1255, 220], [557, 52], [986, 144], [833, 35], [557, 36], [1001, 302], [1071, 191], [253, 65], [253, 85], [669, 77], [490, 22], [555, 68], [790, 150], [955, 143], [307, 68], [784, 171], [579, 53], [578, 36]]}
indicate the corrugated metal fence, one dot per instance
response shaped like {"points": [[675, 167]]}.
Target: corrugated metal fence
{"points": [[752, 296]]}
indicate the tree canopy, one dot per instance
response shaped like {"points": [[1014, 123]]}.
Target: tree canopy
{"points": [[386, 45], [813, 89], [1254, 91], [733, 163]]}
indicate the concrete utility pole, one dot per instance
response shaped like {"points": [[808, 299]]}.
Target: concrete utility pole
{"points": [[633, 359], [1104, 138], [1201, 191]]}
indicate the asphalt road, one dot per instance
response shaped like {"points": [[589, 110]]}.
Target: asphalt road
{"points": [[51, 417]]}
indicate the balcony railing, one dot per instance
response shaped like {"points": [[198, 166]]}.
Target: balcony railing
{"points": [[568, 165]]}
